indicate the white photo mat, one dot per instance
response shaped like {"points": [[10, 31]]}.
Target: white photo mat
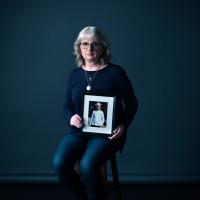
{"points": [[109, 114]]}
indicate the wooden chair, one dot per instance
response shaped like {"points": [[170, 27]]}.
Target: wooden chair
{"points": [[112, 187]]}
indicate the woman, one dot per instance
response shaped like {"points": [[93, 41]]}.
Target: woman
{"points": [[96, 75]]}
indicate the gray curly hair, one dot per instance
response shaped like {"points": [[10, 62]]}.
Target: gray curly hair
{"points": [[94, 32]]}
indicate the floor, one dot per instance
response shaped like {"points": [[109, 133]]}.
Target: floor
{"points": [[129, 192]]}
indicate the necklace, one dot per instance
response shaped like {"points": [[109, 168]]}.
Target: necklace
{"points": [[89, 80]]}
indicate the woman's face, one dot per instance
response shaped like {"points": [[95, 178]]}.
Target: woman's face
{"points": [[91, 50]]}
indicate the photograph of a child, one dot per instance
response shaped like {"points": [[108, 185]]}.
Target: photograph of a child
{"points": [[98, 112], [97, 115]]}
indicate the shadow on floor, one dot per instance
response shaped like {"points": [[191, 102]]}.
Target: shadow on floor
{"points": [[129, 192]]}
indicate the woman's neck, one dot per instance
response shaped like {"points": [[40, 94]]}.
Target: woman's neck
{"points": [[92, 66]]}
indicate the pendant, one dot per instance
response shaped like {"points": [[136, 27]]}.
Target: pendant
{"points": [[88, 88]]}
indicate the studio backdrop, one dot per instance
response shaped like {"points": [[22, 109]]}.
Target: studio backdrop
{"points": [[157, 43]]}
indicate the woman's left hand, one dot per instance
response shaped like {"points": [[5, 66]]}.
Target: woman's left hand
{"points": [[117, 132]]}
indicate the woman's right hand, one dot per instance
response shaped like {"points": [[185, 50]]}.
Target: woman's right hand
{"points": [[76, 121]]}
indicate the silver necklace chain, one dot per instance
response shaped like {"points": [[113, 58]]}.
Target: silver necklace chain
{"points": [[89, 79]]}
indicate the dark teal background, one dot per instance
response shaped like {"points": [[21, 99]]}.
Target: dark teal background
{"points": [[157, 42]]}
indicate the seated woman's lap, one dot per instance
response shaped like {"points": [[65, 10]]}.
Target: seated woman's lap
{"points": [[92, 151], [98, 151]]}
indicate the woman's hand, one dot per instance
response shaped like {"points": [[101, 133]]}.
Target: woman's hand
{"points": [[76, 121], [117, 132]]}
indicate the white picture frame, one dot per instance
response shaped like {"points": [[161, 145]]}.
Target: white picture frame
{"points": [[98, 115]]}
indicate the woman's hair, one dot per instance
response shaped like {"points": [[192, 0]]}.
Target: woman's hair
{"points": [[99, 35]]}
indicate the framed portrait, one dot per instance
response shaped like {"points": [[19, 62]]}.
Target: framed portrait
{"points": [[98, 115]]}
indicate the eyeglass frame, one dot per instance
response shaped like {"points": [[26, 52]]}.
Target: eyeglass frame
{"points": [[94, 45]]}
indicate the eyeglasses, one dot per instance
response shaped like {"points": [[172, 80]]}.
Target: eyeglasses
{"points": [[95, 45]]}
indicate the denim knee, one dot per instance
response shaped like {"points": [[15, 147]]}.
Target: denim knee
{"points": [[57, 163], [87, 168], [60, 165]]}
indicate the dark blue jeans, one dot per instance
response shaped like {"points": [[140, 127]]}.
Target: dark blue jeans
{"points": [[92, 153]]}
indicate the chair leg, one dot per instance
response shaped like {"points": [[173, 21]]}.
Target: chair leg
{"points": [[103, 172], [115, 175]]}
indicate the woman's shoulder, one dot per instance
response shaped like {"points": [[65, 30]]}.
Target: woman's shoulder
{"points": [[74, 71], [73, 74]]}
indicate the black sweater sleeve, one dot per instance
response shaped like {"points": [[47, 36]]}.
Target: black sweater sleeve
{"points": [[128, 97], [68, 104]]}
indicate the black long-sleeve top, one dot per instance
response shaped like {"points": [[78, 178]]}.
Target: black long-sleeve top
{"points": [[112, 80]]}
